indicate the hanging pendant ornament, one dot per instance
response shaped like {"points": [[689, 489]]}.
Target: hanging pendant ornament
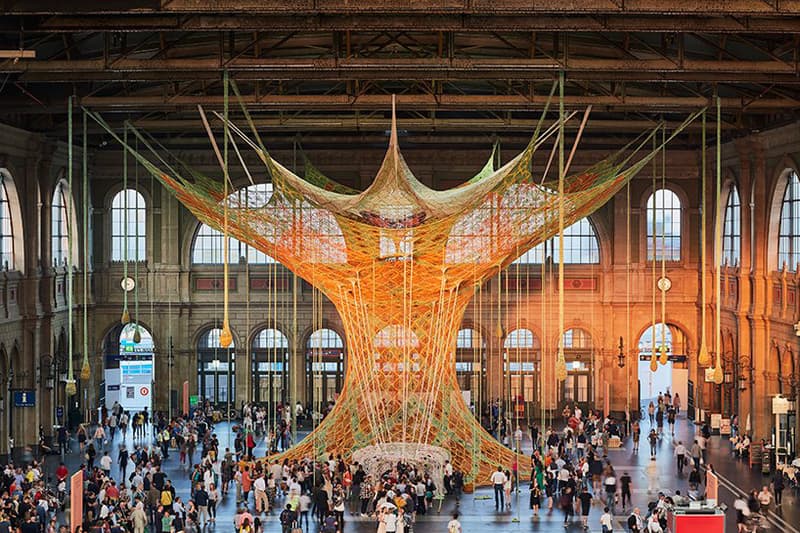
{"points": [[663, 355], [86, 370], [499, 331], [126, 317], [225, 337], [719, 377], [703, 358], [71, 389], [137, 335], [653, 363], [561, 366]]}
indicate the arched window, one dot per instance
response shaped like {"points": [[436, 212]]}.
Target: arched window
{"points": [[59, 226], [471, 365], [216, 368], [789, 235], [664, 223], [207, 248], [128, 222], [578, 386], [6, 228], [580, 246], [270, 366], [521, 365], [732, 229], [324, 366]]}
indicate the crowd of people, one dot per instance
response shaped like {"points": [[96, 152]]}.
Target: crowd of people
{"points": [[571, 472]]}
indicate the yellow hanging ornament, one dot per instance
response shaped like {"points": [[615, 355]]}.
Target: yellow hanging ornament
{"points": [[137, 336], [718, 375], [653, 363], [663, 357], [86, 370], [703, 358], [71, 389], [126, 317], [499, 332], [561, 367], [225, 337]]}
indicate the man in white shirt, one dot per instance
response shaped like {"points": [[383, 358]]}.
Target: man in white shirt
{"points": [[105, 464], [680, 454], [260, 488], [606, 521], [454, 526], [498, 479]]}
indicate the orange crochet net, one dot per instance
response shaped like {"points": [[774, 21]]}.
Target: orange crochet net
{"points": [[400, 262]]}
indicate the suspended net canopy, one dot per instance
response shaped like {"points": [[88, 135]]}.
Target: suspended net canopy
{"points": [[400, 262]]}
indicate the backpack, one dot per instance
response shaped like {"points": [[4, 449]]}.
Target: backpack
{"points": [[166, 497], [287, 517], [329, 525]]}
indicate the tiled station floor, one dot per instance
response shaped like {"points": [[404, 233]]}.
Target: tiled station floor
{"points": [[477, 510]]}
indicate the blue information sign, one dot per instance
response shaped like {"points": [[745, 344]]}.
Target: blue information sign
{"points": [[24, 398], [59, 411]]}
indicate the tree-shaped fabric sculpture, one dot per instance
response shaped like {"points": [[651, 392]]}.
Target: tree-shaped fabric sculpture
{"points": [[400, 262]]}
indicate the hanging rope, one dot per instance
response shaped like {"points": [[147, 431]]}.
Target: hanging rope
{"points": [[653, 357], [628, 301], [137, 335], [718, 375], [86, 370], [225, 336], [664, 357], [703, 358], [126, 317], [70, 388], [561, 364]]}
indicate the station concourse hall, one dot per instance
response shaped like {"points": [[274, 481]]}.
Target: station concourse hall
{"points": [[442, 266]]}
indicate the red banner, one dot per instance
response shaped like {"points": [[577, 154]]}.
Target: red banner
{"points": [[75, 500], [706, 523]]}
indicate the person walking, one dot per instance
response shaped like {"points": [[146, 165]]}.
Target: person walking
{"points": [[635, 522], [498, 481], [697, 453], [680, 456], [585, 498], [653, 439], [606, 521], [454, 526], [625, 489], [777, 486]]}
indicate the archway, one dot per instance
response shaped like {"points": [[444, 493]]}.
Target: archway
{"points": [[471, 367], [216, 369], [325, 367], [521, 366], [672, 376], [128, 356], [578, 388], [270, 367]]}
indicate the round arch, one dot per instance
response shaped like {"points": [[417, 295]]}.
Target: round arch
{"points": [[685, 205], [128, 367], [269, 366], [216, 366], [325, 364], [63, 218], [783, 170], [16, 244]]}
